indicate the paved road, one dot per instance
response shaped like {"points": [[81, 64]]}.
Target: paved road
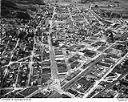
{"points": [[111, 85], [114, 82], [102, 79], [87, 70], [95, 15], [54, 70]]}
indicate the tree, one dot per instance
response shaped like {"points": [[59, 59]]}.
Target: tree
{"points": [[23, 15]]}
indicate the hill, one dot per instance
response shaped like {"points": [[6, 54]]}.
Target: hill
{"points": [[18, 8]]}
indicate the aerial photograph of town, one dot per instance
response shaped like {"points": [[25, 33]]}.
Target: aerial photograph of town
{"points": [[64, 49]]}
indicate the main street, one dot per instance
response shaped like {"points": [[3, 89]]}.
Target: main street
{"points": [[54, 71]]}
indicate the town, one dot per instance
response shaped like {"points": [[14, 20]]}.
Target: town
{"points": [[65, 50]]}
